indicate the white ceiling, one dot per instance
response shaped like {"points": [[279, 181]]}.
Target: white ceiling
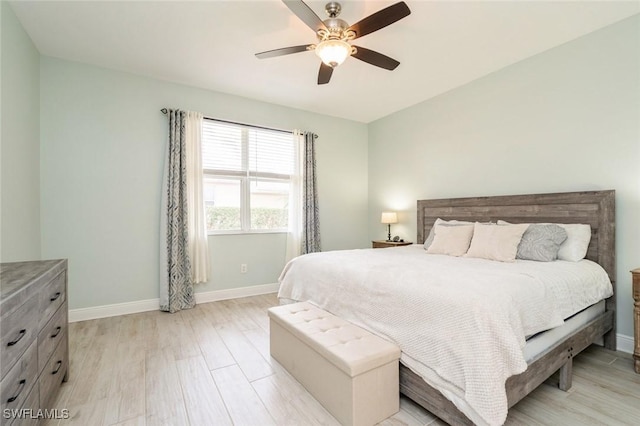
{"points": [[211, 44]]}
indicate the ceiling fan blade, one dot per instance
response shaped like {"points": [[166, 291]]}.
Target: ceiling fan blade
{"points": [[380, 19], [282, 51], [324, 75], [374, 58], [306, 14]]}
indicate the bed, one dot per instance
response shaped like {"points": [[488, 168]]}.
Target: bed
{"points": [[593, 208]]}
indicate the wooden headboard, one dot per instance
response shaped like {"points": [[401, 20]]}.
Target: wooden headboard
{"points": [[596, 208]]}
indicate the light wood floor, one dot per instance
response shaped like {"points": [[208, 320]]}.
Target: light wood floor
{"points": [[211, 366]]}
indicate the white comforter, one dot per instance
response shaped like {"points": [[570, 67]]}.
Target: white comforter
{"points": [[460, 323]]}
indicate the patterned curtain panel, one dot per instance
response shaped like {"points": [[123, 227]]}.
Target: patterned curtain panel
{"points": [[310, 216], [176, 285]]}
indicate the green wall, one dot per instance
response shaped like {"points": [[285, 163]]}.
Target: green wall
{"points": [[102, 153], [20, 142], [565, 120]]}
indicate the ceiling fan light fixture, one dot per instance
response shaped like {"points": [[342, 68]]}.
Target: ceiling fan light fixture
{"points": [[334, 35], [333, 52]]}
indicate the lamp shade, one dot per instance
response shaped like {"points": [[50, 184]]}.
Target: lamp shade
{"points": [[389, 217], [333, 52]]}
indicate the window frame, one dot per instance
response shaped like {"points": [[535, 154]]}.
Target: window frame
{"points": [[246, 177]]}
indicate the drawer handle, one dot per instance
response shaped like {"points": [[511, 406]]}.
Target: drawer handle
{"points": [[22, 383], [55, 296], [58, 329], [21, 335], [58, 366]]}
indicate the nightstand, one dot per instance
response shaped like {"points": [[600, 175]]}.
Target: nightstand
{"points": [[383, 243], [636, 318]]}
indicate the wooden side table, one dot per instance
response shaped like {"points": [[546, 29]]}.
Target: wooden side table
{"points": [[636, 318], [384, 244]]}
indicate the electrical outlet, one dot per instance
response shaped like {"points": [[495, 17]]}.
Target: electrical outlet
{"points": [[243, 268]]}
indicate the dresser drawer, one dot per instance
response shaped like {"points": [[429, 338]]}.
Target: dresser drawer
{"points": [[17, 384], [52, 334], [30, 407], [18, 330], [52, 295], [53, 373]]}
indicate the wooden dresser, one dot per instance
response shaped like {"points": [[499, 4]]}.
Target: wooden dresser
{"points": [[34, 344], [636, 318]]}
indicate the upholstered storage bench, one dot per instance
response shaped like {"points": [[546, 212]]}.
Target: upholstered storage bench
{"points": [[351, 372]]}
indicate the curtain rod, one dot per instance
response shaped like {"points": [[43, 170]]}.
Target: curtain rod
{"points": [[165, 111]]}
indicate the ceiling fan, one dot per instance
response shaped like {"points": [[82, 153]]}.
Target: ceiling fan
{"points": [[334, 35]]}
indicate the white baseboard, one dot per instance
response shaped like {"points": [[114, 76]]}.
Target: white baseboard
{"points": [[236, 293], [95, 312], [624, 343], [105, 311]]}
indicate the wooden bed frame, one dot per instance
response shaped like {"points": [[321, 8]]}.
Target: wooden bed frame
{"points": [[596, 208]]}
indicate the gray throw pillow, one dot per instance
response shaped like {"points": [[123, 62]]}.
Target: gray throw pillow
{"points": [[541, 243]]}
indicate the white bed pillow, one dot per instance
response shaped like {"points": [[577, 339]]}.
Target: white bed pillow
{"points": [[451, 240], [429, 240], [495, 242], [432, 234], [575, 247]]}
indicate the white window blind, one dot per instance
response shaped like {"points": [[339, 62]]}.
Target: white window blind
{"points": [[221, 146], [247, 174], [270, 152]]}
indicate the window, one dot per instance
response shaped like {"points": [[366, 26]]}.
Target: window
{"points": [[247, 177]]}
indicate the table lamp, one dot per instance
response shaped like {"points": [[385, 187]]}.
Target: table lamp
{"points": [[389, 218]]}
